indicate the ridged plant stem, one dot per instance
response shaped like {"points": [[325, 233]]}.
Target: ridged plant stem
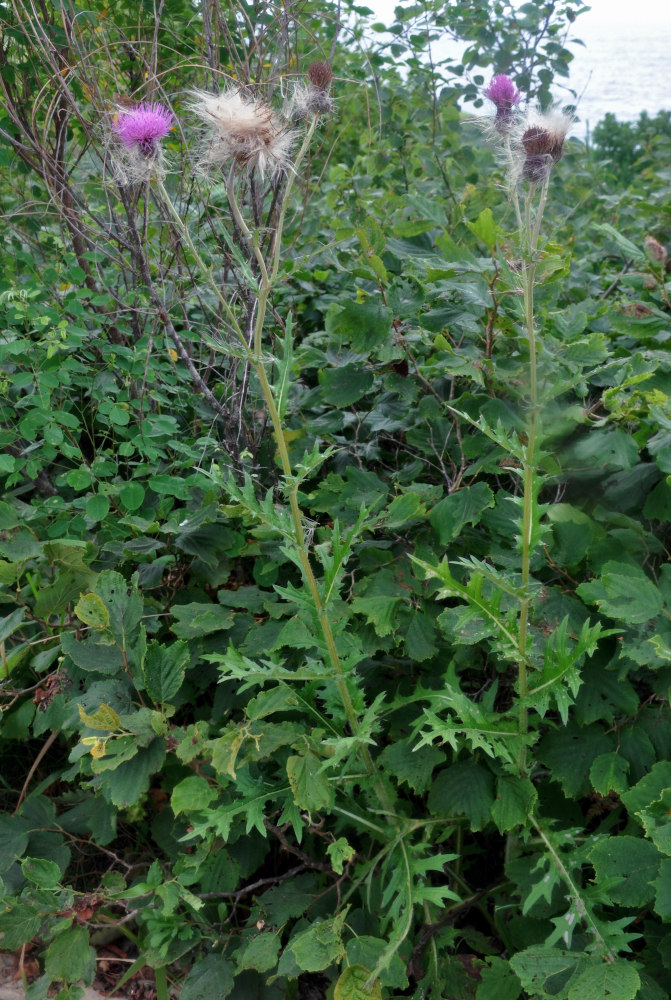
{"points": [[530, 237]]}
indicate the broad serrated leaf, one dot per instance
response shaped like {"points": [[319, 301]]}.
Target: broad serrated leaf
{"points": [[649, 788], [662, 886], [13, 839], [191, 794], [465, 788], [345, 385], [498, 982], [353, 985], [209, 979], [608, 773], [656, 819], [514, 802], [104, 719], [463, 507], [260, 953], [198, 619], [41, 872], [605, 981], [570, 753], [624, 592], [410, 765], [91, 610], [18, 925], [70, 957], [163, 669], [320, 945], [631, 860], [310, 788]]}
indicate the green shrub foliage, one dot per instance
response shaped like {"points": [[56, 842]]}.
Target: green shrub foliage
{"points": [[335, 655]]}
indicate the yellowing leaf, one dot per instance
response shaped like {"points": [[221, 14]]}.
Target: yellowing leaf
{"points": [[91, 610], [104, 718]]}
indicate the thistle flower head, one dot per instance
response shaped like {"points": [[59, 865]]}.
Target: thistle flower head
{"points": [[242, 129], [142, 127], [503, 93], [539, 142], [139, 129]]}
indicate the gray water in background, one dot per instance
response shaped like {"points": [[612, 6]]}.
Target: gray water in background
{"points": [[623, 69]]}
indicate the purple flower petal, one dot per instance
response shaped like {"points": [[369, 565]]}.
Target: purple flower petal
{"points": [[143, 126], [503, 93]]}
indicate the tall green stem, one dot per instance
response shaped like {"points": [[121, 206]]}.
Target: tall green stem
{"points": [[268, 277], [530, 236]]}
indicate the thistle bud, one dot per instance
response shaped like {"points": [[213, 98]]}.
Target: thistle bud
{"points": [[320, 75], [541, 143], [312, 100], [655, 249]]}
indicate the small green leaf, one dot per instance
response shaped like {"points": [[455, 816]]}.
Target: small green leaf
{"points": [[260, 953], [320, 945], [608, 773], [97, 507], [191, 794], [91, 610], [164, 668], [352, 985], [104, 718], [484, 228], [225, 751], [131, 496], [515, 799], [310, 788], [41, 872], [464, 507], [339, 852], [70, 958]]}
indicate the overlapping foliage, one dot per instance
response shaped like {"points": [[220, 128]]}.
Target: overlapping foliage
{"points": [[181, 760]]}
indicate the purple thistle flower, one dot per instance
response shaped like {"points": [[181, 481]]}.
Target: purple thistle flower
{"points": [[143, 127], [504, 94]]}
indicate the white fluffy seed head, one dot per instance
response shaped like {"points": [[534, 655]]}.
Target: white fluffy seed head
{"points": [[242, 129]]}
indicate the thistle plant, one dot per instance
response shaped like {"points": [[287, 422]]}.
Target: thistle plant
{"points": [[250, 143]]}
